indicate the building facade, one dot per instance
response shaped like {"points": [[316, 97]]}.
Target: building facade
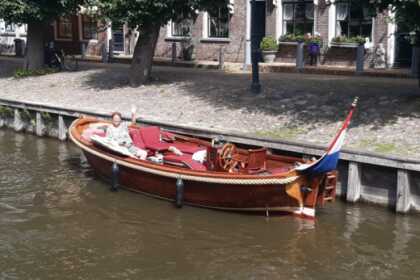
{"points": [[228, 30], [9, 32]]}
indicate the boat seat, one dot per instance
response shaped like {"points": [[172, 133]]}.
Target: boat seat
{"points": [[185, 159], [254, 162], [136, 138], [188, 148], [151, 138], [90, 131]]}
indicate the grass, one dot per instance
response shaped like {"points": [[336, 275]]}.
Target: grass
{"points": [[286, 133], [24, 73], [382, 148], [385, 148]]}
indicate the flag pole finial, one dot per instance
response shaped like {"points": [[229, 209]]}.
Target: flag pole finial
{"points": [[356, 99]]}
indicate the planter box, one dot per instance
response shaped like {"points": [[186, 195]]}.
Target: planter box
{"points": [[288, 43], [269, 56], [344, 45]]}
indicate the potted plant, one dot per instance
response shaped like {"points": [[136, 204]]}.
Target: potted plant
{"points": [[291, 38], [342, 41], [269, 49]]}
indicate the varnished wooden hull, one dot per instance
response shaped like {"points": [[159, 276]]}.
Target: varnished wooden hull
{"points": [[218, 191]]}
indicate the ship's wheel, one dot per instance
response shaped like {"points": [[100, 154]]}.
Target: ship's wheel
{"points": [[226, 157]]}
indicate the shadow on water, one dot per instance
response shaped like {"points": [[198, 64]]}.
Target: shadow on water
{"points": [[59, 222], [306, 99]]}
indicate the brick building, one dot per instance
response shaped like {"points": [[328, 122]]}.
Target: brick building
{"points": [[229, 29]]}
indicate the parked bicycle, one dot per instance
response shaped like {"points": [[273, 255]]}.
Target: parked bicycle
{"points": [[57, 59]]}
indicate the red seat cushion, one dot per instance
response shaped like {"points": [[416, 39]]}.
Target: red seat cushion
{"points": [[188, 148], [136, 138], [187, 160], [90, 131], [167, 136], [151, 138]]}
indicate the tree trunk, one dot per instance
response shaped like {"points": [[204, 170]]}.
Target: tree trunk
{"points": [[141, 65], [34, 54]]}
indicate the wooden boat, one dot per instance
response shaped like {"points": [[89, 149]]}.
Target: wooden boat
{"points": [[231, 178]]}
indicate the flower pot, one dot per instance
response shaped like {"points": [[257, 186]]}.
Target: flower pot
{"points": [[269, 56]]}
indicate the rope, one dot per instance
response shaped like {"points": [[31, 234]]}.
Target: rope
{"points": [[175, 175]]}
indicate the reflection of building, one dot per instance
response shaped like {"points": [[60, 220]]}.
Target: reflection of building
{"points": [[8, 33], [229, 28]]}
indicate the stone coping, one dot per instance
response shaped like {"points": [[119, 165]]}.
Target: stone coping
{"points": [[305, 148]]}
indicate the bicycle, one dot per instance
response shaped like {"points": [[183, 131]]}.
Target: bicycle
{"points": [[60, 61]]}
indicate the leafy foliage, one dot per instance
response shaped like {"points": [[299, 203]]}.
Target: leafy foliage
{"points": [[140, 13], [23, 73], [406, 14], [268, 44], [26, 11], [349, 40]]}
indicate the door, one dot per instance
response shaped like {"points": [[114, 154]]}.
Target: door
{"points": [[403, 48], [118, 38]]}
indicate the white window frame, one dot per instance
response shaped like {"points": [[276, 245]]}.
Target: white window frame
{"points": [[206, 29], [169, 35], [332, 26]]}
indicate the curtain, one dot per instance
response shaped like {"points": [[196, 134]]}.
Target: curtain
{"points": [[287, 12], [309, 11], [342, 11]]}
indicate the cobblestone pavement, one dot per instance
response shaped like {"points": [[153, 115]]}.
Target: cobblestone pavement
{"points": [[295, 107]]}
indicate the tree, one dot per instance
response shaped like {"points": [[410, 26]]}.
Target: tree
{"points": [[406, 13], [148, 16], [37, 15]]}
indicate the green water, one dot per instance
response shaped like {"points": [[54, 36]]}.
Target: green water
{"points": [[58, 221]]}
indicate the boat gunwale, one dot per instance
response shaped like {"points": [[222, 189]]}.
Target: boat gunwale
{"points": [[177, 172]]}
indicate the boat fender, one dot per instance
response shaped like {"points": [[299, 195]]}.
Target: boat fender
{"points": [[306, 190], [179, 199], [115, 175]]}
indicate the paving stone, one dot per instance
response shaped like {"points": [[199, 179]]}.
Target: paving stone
{"points": [[308, 107]]}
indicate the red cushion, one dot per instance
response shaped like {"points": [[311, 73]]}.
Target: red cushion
{"points": [[188, 148], [167, 136], [151, 138], [136, 138], [186, 159], [90, 131]]}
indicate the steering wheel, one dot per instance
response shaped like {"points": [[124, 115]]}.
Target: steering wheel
{"points": [[226, 157]]}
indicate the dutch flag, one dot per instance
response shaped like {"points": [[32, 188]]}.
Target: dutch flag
{"points": [[329, 160]]}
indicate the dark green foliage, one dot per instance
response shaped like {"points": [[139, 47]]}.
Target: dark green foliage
{"points": [[352, 40], [145, 12], [6, 112], [26, 11], [407, 14], [23, 73]]}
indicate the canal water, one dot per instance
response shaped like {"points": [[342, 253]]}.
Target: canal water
{"points": [[58, 221]]}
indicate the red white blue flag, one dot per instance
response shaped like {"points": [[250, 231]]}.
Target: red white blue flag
{"points": [[329, 160]]}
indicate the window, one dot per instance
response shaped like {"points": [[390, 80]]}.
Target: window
{"points": [[218, 23], [353, 18], [89, 28], [181, 29], [298, 17], [64, 28], [10, 27]]}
